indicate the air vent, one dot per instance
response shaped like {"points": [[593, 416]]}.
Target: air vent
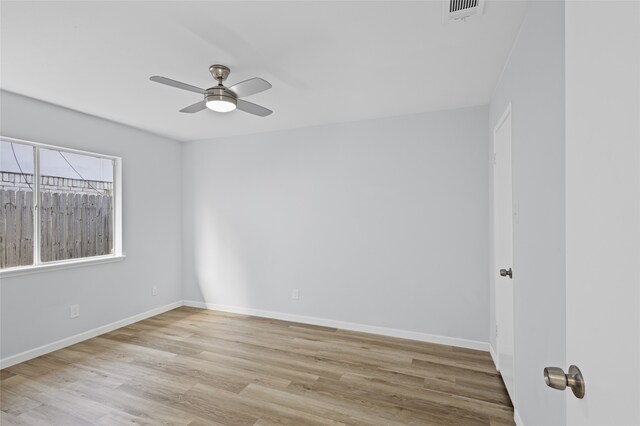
{"points": [[461, 10]]}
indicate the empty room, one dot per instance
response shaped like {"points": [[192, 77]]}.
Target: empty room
{"points": [[320, 213]]}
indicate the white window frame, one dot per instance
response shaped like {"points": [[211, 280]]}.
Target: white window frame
{"points": [[38, 265]]}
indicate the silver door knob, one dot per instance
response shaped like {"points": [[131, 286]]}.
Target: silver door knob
{"points": [[506, 273], [555, 378]]}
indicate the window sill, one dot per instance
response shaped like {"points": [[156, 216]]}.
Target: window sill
{"points": [[63, 264]]}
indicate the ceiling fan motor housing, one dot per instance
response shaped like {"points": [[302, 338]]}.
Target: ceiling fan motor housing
{"points": [[220, 93]]}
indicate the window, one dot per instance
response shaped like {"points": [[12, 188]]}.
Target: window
{"points": [[56, 205]]}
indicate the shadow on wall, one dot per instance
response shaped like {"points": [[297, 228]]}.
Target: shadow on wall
{"points": [[221, 273]]}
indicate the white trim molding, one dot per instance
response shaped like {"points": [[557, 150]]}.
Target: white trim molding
{"points": [[61, 264], [72, 340], [494, 356], [516, 418], [363, 328]]}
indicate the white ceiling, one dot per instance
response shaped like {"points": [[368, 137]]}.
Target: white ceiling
{"points": [[328, 61]]}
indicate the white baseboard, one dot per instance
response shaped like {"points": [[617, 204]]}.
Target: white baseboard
{"points": [[516, 418], [391, 332], [63, 343], [494, 356]]}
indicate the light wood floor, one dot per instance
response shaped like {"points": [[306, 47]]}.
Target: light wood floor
{"points": [[197, 367]]}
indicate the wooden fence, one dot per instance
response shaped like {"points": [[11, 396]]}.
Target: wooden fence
{"points": [[71, 226], [16, 228]]}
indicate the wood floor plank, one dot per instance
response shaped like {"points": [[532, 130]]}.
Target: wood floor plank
{"points": [[391, 406], [16, 403], [193, 367], [419, 395], [63, 399], [52, 416], [347, 413]]}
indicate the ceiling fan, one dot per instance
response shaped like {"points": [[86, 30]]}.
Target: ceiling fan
{"points": [[220, 98]]}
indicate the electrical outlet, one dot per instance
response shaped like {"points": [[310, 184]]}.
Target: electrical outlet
{"points": [[154, 291], [295, 294], [74, 311]]}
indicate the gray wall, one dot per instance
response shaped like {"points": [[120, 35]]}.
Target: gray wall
{"points": [[35, 308], [380, 222], [533, 82]]}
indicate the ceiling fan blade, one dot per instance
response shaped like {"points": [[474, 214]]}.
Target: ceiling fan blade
{"points": [[250, 87], [198, 106], [252, 108], [177, 84]]}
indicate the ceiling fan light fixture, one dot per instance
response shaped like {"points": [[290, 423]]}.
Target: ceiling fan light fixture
{"points": [[220, 103], [220, 98]]}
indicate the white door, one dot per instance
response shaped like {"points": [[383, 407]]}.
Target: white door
{"points": [[603, 209], [503, 250]]}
